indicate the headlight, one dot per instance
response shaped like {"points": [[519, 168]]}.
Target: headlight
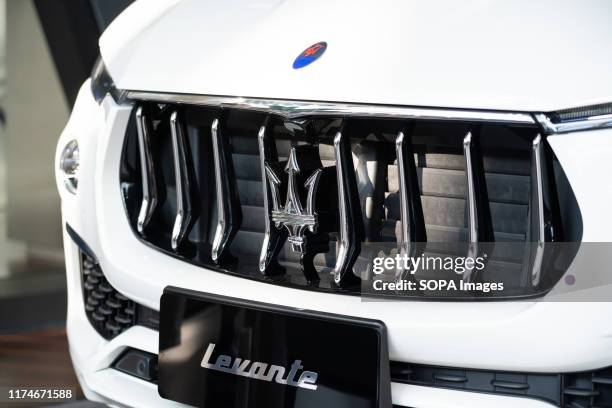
{"points": [[102, 83], [69, 165]]}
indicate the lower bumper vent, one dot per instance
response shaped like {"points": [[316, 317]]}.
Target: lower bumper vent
{"points": [[567, 390], [108, 311], [591, 389]]}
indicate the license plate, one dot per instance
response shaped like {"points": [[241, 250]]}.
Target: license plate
{"points": [[223, 352]]}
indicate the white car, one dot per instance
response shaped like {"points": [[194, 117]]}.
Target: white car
{"points": [[231, 168]]}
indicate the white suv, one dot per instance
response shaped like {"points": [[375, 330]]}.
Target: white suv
{"points": [[232, 172]]}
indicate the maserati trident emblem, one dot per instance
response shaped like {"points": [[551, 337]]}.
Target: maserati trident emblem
{"points": [[293, 216]]}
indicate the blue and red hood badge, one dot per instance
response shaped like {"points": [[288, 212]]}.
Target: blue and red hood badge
{"points": [[310, 55]]}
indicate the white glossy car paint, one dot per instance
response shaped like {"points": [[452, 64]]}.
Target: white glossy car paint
{"points": [[583, 154], [520, 336], [513, 55], [441, 53]]}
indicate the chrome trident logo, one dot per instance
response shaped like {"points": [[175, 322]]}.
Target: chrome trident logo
{"points": [[292, 215]]}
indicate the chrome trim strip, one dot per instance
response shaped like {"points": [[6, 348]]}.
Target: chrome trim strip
{"points": [[291, 109], [221, 235], [590, 123], [181, 175], [536, 151], [403, 188], [412, 223], [149, 188], [471, 190], [343, 230], [267, 252], [403, 195], [471, 203]]}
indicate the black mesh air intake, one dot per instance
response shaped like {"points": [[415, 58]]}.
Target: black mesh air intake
{"points": [[110, 312]]}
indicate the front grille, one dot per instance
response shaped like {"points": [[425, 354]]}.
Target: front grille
{"points": [[212, 186], [566, 390], [108, 311]]}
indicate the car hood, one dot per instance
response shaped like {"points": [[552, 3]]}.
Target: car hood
{"points": [[518, 55]]}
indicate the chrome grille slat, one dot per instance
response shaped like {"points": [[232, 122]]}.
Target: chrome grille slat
{"points": [[272, 242], [479, 226], [471, 191], [149, 187], [349, 236], [221, 232], [538, 213], [411, 211], [472, 209], [412, 221], [183, 183], [226, 205]]}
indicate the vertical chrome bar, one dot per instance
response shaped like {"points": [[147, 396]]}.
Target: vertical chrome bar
{"points": [[471, 190], [221, 233], [403, 189], [264, 257], [270, 243], [538, 212], [149, 186], [350, 233], [480, 228], [343, 238], [228, 201], [183, 185], [411, 211], [471, 203]]}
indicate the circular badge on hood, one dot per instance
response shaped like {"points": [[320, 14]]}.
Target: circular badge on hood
{"points": [[310, 55]]}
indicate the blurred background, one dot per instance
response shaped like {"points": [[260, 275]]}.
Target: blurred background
{"points": [[47, 50]]}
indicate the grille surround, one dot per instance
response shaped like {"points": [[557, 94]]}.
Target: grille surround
{"points": [[217, 107]]}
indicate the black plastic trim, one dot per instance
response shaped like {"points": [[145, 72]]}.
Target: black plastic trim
{"points": [[80, 242], [149, 357]]}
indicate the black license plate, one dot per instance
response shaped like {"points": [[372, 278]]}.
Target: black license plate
{"points": [[223, 352]]}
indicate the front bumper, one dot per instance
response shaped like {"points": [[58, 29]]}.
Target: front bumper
{"points": [[513, 336]]}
